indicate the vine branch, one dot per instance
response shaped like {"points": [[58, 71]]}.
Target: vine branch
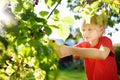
{"points": [[54, 9]]}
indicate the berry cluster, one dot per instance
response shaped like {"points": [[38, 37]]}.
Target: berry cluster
{"points": [[35, 2]]}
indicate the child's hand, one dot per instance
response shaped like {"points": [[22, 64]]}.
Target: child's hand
{"points": [[62, 50], [57, 48]]}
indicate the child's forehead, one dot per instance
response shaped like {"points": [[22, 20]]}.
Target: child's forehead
{"points": [[88, 26]]}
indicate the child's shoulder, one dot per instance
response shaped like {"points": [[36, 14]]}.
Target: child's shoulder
{"points": [[105, 38]]}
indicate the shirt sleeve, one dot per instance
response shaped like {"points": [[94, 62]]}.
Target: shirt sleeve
{"points": [[106, 42], [82, 45]]}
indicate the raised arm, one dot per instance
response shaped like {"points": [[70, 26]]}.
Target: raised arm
{"points": [[93, 53]]}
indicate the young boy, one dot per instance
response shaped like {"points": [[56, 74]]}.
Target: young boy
{"points": [[97, 50]]}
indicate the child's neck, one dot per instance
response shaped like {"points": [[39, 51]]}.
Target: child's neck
{"points": [[94, 43]]}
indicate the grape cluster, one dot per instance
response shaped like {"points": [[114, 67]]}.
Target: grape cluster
{"points": [[34, 33], [35, 2]]}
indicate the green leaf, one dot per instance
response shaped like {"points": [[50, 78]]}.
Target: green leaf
{"points": [[42, 20], [106, 1], [116, 29], [21, 40], [4, 41], [24, 16], [48, 30], [18, 8], [68, 20], [50, 3], [56, 16], [95, 4], [26, 51], [28, 5], [43, 13], [9, 70], [12, 29], [62, 32], [114, 8], [56, 11], [34, 43]]}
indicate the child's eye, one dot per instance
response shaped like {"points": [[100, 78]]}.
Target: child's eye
{"points": [[83, 30], [89, 29]]}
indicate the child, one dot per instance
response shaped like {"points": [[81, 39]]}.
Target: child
{"points": [[97, 50]]}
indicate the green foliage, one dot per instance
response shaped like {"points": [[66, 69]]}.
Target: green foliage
{"points": [[87, 8], [62, 29], [69, 75], [43, 13], [50, 3], [61, 25], [26, 53], [4, 41], [117, 55], [68, 20]]}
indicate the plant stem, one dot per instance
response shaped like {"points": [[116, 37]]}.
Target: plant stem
{"points": [[54, 9]]}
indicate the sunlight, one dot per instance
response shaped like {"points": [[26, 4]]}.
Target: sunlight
{"points": [[6, 15], [115, 34], [3, 16], [2, 12]]}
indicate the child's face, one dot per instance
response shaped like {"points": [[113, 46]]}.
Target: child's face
{"points": [[91, 33]]}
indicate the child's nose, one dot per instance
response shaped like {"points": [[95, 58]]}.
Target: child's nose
{"points": [[86, 33]]}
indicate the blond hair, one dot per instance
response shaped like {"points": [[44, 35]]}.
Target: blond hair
{"points": [[97, 20]]}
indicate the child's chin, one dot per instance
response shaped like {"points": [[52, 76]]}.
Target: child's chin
{"points": [[87, 40]]}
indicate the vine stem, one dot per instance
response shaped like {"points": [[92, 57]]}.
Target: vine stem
{"points": [[54, 9]]}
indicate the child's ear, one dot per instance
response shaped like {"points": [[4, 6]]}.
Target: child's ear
{"points": [[102, 29]]}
